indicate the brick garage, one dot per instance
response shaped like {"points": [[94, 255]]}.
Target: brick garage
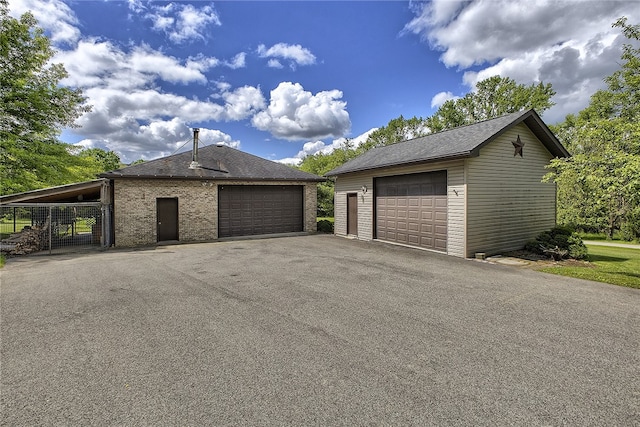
{"points": [[144, 193]]}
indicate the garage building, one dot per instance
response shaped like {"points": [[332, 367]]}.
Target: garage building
{"points": [[210, 193], [475, 188]]}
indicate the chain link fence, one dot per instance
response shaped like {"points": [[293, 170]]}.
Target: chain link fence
{"points": [[29, 228]]}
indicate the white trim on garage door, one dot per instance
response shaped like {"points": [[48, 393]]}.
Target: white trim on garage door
{"points": [[412, 209]]}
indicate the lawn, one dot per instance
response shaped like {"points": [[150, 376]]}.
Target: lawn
{"points": [[617, 238], [618, 266], [326, 218], [9, 227]]}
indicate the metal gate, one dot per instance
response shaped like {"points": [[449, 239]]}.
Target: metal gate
{"points": [[59, 227]]}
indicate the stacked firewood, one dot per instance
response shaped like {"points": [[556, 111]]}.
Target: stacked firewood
{"points": [[27, 241]]}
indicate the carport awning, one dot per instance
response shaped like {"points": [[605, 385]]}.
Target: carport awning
{"points": [[78, 192]]}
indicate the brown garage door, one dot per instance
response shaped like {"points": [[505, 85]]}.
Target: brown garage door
{"points": [[245, 210], [412, 209]]}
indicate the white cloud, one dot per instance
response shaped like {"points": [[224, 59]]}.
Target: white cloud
{"points": [[295, 114], [148, 122], [569, 44], [274, 63], [124, 88], [243, 102], [101, 63], [143, 59], [313, 147], [52, 15], [156, 139], [136, 6], [295, 54], [442, 97], [217, 137], [238, 61], [180, 22]]}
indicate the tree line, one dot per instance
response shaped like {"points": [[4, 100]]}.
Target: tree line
{"points": [[34, 108], [598, 186]]}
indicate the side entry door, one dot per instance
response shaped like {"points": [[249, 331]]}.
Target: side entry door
{"points": [[167, 218], [352, 214]]}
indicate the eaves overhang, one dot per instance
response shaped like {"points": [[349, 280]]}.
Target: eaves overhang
{"points": [[81, 191], [450, 157], [113, 176]]}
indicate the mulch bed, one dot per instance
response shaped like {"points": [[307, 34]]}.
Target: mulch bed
{"points": [[540, 261]]}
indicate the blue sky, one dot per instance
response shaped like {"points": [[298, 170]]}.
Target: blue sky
{"points": [[286, 79]]}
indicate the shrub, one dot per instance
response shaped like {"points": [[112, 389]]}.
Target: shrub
{"points": [[577, 249], [325, 226], [558, 243]]}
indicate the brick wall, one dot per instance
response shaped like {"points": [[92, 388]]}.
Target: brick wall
{"points": [[135, 208]]}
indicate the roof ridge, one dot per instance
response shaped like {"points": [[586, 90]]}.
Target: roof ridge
{"points": [[521, 112], [459, 142]]}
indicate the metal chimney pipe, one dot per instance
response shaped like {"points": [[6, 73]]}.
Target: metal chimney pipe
{"points": [[194, 153]]}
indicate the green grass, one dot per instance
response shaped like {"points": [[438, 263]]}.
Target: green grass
{"points": [[326, 218], [83, 225], [6, 225], [618, 266], [2, 260], [603, 237]]}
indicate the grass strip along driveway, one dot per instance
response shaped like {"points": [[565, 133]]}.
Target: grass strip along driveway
{"points": [[313, 330], [608, 264]]}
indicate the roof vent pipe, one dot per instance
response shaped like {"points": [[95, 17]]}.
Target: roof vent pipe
{"points": [[194, 154]]}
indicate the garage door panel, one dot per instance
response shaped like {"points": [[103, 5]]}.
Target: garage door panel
{"points": [[426, 215], [426, 228], [427, 203], [259, 209], [426, 242], [412, 209], [441, 230]]}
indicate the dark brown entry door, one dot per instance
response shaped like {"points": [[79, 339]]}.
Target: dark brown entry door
{"points": [[245, 210], [412, 209], [352, 214], [167, 215]]}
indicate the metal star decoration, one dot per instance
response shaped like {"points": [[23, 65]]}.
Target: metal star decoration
{"points": [[518, 145]]}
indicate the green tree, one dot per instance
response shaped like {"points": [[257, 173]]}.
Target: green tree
{"points": [[398, 129], [320, 164], [33, 110], [493, 97], [106, 160], [599, 187]]}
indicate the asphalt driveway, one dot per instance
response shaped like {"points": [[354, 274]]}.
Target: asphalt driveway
{"points": [[313, 330]]}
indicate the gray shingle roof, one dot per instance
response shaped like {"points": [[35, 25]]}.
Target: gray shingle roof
{"points": [[219, 163], [460, 142]]}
